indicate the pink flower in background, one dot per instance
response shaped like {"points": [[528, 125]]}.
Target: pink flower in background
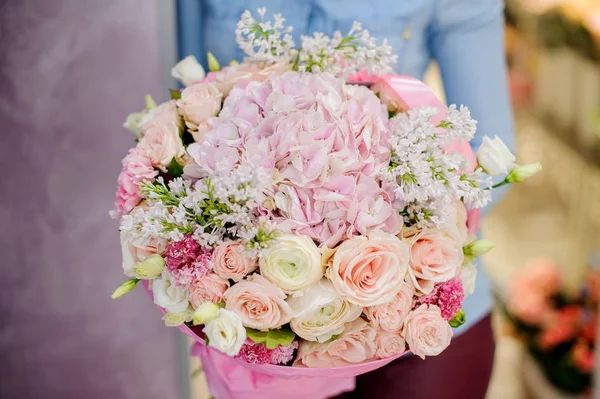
{"points": [[448, 296], [230, 261], [390, 316], [560, 327], [426, 332], [208, 288], [254, 353], [187, 260], [527, 302], [583, 356], [137, 168], [545, 275]]}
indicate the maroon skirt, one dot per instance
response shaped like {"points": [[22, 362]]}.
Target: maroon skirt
{"points": [[462, 371]]}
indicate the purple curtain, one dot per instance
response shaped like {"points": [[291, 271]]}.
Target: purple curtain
{"points": [[70, 71]]}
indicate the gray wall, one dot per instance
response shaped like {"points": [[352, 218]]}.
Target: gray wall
{"points": [[70, 71]]}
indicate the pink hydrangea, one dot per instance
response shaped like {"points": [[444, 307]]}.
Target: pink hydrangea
{"points": [[137, 168], [448, 296], [254, 353], [187, 260]]}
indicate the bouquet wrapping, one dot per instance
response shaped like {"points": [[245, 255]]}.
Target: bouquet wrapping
{"points": [[305, 216]]}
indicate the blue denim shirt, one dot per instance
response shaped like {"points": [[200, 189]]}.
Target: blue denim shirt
{"points": [[466, 37]]}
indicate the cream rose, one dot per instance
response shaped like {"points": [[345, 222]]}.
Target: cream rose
{"points": [[198, 103], [173, 298], [390, 316], [355, 345], [226, 332], [426, 332], [162, 143], [188, 71], [435, 256], [165, 114], [208, 288], [457, 222], [293, 263], [389, 344], [134, 252], [494, 157], [369, 270], [232, 262], [260, 304], [321, 312]]}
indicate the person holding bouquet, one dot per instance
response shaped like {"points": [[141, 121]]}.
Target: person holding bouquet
{"points": [[465, 37]]}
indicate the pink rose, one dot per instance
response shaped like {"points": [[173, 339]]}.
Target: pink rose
{"points": [[426, 332], [232, 262], [390, 316], [198, 103], [388, 344], [435, 256], [165, 114], [260, 304], [134, 252], [355, 345], [162, 143], [208, 288], [137, 168], [369, 270]]}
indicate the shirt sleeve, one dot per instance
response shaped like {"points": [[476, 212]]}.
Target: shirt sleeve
{"points": [[467, 40]]}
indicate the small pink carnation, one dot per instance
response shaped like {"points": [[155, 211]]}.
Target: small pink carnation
{"points": [[448, 296], [254, 353], [187, 260], [137, 168]]}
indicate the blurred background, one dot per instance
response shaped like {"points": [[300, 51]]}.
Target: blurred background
{"points": [[70, 72]]}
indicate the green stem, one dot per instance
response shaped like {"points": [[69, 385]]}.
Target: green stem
{"points": [[502, 183]]}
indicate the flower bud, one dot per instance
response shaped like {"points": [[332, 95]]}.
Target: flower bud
{"points": [[494, 157], [205, 313], [124, 288], [132, 123], [458, 320], [176, 319], [233, 63], [522, 172], [188, 71], [213, 63], [478, 248], [150, 103], [149, 268]]}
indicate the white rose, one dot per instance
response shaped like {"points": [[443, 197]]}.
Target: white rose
{"points": [[495, 157], [226, 332], [293, 263], [321, 312], [468, 275], [168, 295], [162, 143], [188, 71]]}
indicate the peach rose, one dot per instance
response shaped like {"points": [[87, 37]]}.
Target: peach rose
{"points": [[162, 143], [389, 344], [208, 288], [390, 316], [198, 103], [232, 262], [134, 252], [435, 256], [165, 114], [260, 304], [355, 345], [426, 332], [369, 270]]}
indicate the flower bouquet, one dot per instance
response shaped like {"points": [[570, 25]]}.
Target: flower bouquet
{"points": [[558, 328], [303, 215]]}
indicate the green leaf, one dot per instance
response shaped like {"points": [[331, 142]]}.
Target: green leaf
{"points": [[272, 338], [175, 169], [206, 341], [175, 94], [259, 337]]}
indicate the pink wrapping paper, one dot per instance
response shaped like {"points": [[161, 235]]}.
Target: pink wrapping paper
{"points": [[229, 378]]}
